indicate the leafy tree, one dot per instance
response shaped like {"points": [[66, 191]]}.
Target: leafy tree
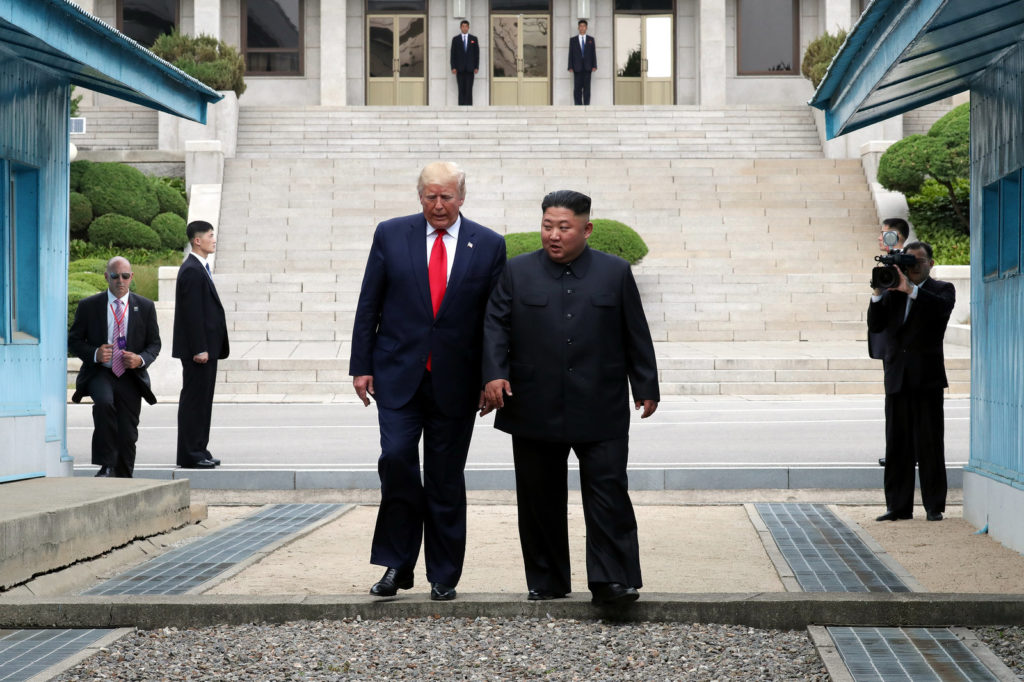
{"points": [[209, 60]]}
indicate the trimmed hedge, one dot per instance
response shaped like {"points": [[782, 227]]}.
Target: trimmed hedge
{"points": [[119, 230], [78, 169], [79, 215], [169, 198], [96, 281], [77, 290], [609, 236], [207, 59], [170, 227], [117, 188], [819, 55], [97, 265]]}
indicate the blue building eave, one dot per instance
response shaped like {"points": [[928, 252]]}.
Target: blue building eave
{"points": [[903, 54], [60, 37]]}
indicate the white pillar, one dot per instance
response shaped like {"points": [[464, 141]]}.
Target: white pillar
{"points": [[87, 95], [207, 19], [836, 16], [711, 54], [333, 53]]}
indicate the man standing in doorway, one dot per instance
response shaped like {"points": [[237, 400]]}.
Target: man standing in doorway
{"points": [[200, 340], [465, 61], [582, 63]]}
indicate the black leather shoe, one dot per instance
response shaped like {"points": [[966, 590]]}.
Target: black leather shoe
{"points": [[391, 582], [201, 464], [440, 592], [543, 595], [104, 472], [893, 516], [881, 461], [216, 462], [613, 594], [937, 516]]}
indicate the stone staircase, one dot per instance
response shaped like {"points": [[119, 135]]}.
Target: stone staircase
{"points": [[760, 249]]}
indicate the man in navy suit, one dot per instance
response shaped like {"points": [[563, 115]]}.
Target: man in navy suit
{"points": [[465, 62], [115, 334], [582, 63], [913, 316], [200, 339], [416, 350]]}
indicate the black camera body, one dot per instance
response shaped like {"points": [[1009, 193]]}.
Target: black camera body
{"points": [[885, 276]]}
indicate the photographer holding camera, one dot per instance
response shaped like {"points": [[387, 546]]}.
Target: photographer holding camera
{"points": [[911, 311]]}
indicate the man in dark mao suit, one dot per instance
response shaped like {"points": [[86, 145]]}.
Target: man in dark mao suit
{"points": [[465, 61], [200, 340], [582, 63], [913, 316], [103, 322], [416, 351], [564, 330]]}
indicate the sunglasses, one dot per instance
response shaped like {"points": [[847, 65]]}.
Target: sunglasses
{"points": [[123, 275]]}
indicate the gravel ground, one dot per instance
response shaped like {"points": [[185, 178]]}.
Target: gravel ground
{"points": [[457, 649], [1007, 643]]}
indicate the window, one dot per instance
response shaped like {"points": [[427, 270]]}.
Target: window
{"points": [[272, 37], [396, 6], [768, 38], [19, 253], [1001, 227], [145, 20]]}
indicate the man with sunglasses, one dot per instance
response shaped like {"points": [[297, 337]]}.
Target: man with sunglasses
{"points": [[115, 334]]}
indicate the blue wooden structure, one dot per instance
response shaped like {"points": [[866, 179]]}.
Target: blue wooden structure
{"points": [[906, 53], [46, 46]]}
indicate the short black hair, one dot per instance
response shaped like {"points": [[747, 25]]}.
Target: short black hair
{"points": [[898, 224], [464, 21], [582, 21], [920, 245], [197, 227], [577, 202]]}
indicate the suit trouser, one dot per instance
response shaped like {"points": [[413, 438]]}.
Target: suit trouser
{"points": [[115, 417], [914, 433], [613, 551], [465, 82], [195, 410], [581, 87], [432, 510]]}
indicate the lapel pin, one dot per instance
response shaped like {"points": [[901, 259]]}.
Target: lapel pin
{"points": [[469, 244]]}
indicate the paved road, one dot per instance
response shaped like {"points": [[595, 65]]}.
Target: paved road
{"points": [[683, 432]]}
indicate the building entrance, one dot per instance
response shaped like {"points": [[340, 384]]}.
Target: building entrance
{"points": [[520, 59], [643, 59], [396, 65]]}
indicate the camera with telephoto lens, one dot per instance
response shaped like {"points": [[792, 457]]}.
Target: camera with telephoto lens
{"points": [[884, 276]]}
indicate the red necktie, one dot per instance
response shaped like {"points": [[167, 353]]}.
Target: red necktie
{"points": [[117, 357], [437, 273]]}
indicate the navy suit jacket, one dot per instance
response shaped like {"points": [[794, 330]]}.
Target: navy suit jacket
{"points": [[199, 323], [395, 329], [463, 60], [89, 331], [582, 60]]}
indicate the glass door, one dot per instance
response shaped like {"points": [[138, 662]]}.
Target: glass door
{"points": [[643, 59], [396, 51], [520, 59]]}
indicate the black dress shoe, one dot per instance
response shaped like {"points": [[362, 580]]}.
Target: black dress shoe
{"points": [[216, 462], [440, 592], [937, 516], [613, 594], [893, 516], [544, 595], [201, 464], [881, 461], [392, 581], [104, 472]]}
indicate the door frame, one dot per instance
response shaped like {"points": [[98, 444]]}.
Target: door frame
{"points": [[396, 77], [520, 79], [643, 49]]}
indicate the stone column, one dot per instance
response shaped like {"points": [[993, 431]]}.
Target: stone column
{"points": [[711, 85], [836, 16], [333, 53], [207, 19], [87, 95]]}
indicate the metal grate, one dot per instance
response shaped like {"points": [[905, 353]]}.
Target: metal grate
{"points": [[26, 653], [913, 654], [824, 553], [183, 569]]}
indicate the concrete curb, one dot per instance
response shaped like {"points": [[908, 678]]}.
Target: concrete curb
{"points": [[761, 610]]}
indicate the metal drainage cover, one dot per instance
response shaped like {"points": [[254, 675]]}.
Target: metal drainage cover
{"points": [[824, 553], [183, 569], [26, 653], [914, 654]]}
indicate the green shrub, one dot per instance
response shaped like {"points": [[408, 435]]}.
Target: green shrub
{"points": [[949, 246], [170, 227], [79, 215], [77, 290], [79, 249], [97, 265], [95, 280], [117, 188], [207, 59], [171, 199], [75, 101], [931, 207], [609, 236], [78, 169], [819, 55], [119, 230]]}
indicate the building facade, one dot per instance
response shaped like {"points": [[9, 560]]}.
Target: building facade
{"points": [[396, 52]]}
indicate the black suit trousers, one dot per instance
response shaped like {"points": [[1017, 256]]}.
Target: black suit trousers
{"points": [[581, 87], [195, 410], [115, 417], [613, 551], [432, 510], [914, 433], [465, 81]]}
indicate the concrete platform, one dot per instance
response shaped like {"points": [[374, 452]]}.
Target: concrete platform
{"points": [[50, 523]]}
